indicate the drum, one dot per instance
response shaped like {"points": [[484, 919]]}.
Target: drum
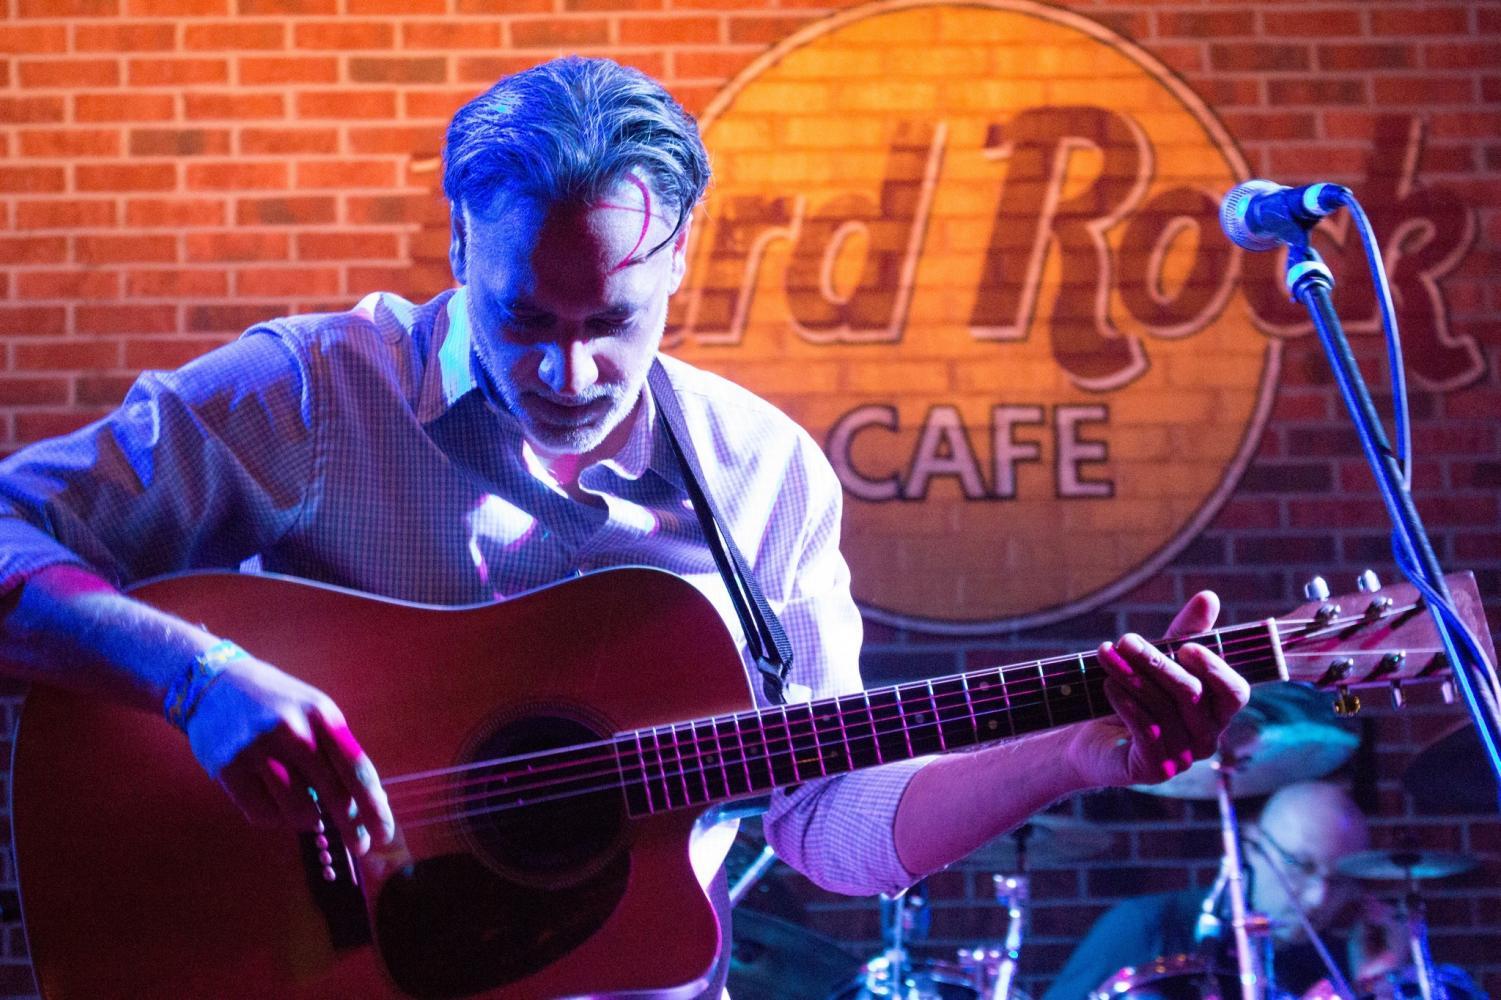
{"points": [[1403, 984], [1176, 977], [925, 979]]}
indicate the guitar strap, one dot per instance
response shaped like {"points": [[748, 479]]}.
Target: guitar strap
{"points": [[768, 644]]}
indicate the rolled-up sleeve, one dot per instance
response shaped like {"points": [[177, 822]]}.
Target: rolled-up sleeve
{"points": [[839, 831], [201, 467]]}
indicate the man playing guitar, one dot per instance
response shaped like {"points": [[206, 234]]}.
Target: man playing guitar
{"points": [[493, 440]]}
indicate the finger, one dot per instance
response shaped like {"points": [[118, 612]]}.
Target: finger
{"points": [[1156, 756], [1186, 691], [1149, 712], [1198, 615], [336, 804], [289, 791], [1225, 690], [247, 792], [337, 745]]}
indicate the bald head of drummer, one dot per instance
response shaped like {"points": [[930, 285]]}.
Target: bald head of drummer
{"points": [[1302, 832]]}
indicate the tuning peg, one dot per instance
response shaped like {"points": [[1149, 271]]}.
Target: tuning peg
{"points": [[1399, 700], [1346, 703], [1316, 589], [1368, 582]]}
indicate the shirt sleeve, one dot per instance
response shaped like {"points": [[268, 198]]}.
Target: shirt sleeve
{"points": [[838, 831], [201, 467]]}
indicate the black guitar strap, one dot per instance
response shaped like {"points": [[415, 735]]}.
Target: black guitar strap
{"points": [[764, 636]]}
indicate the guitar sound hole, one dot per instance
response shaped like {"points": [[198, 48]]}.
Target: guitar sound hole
{"points": [[572, 815]]}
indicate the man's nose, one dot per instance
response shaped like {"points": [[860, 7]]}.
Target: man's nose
{"points": [[568, 367]]}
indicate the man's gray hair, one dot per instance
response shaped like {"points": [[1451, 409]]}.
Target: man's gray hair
{"points": [[569, 130]]}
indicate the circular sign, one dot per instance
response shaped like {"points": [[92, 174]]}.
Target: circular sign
{"points": [[973, 249]]}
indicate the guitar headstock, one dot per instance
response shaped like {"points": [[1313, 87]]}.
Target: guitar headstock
{"points": [[1377, 636]]}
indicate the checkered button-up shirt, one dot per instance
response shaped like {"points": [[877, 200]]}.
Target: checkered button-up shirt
{"points": [[359, 449]]}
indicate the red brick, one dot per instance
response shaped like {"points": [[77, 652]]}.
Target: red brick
{"points": [[289, 140], [345, 174], [287, 8], [1252, 127], [669, 30], [235, 36], [405, 8], [231, 318], [176, 142], [396, 209], [288, 69], [1260, 56], [33, 391], [167, 352], [33, 39], [348, 246], [1423, 90], [234, 105], [175, 283], [174, 213], [71, 213], [1316, 90], [69, 73], [68, 8], [504, 7], [289, 211], [65, 354], [79, 283], [177, 8], [1469, 124], [231, 175], [177, 72], [30, 110], [711, 64], [1367, 56], [120, 317], [70, 143], [33, 320], [286, 282], [238, 246], [486, 70], [448, 36], [132, 249], [123, 107], [344, 104], [34, 425], [410, 140], [1206, 24], [17, 179], [423, 70], [559, 32], [147, 37], [125, 177], [342, 35], [1317, 22], [420, 281], [102, 390], [764, 30], [440, 104], [1409, 21]]}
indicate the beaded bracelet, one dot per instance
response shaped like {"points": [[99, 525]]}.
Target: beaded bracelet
{"points": [[188, 690]]}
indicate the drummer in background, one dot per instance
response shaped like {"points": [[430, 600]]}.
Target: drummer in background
{"points": [[1304, 829]]}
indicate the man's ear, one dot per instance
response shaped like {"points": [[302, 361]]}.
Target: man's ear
{"points": [[680, 253], [456, 257]]}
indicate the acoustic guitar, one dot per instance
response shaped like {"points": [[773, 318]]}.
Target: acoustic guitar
{"points": [[546, 758]]}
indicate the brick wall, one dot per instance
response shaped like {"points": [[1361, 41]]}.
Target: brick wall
{"points": [[173, 170]]}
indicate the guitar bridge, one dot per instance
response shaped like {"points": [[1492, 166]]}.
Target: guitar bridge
{"points": [[333, 881]]}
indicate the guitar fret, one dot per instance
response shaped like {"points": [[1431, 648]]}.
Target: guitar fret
{"points": [[666, 786], [760, 775], [1042, 680], [682, 775], [715, 787], [637, 801], [969, 704], [815, 739], [1084, 682], [943, 744], [875, 734]]}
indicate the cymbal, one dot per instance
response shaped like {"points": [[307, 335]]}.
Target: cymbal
{"points": [[1401, 865], [1049, 840], [1287, 733], [1451, 775], [772, 959]]}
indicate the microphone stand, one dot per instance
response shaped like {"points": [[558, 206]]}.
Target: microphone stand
{"points": [[1309, 280]]}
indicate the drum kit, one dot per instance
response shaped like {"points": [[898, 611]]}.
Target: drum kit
{"points": [[1286, 734]]}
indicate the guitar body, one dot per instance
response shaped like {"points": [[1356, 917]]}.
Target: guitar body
{"points": [[140, 879]]}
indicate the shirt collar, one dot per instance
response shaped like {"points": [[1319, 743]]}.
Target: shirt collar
{"points": [[457, 363]]}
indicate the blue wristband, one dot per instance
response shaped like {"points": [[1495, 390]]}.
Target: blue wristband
{"points": [[188, 690]]}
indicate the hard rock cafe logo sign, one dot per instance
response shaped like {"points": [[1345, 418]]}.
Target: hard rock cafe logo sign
{"points": [[973, 249]]}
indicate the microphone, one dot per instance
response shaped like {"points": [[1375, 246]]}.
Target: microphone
{"points": [[1261, 215]]}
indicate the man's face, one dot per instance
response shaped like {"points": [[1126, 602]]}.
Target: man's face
{"points": [[567, 310], [1306, 849]]}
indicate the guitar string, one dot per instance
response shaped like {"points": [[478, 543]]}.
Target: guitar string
{"points": [[671, 758], [1031, 681], [683, 777], [692, 766], [694, 789]]}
